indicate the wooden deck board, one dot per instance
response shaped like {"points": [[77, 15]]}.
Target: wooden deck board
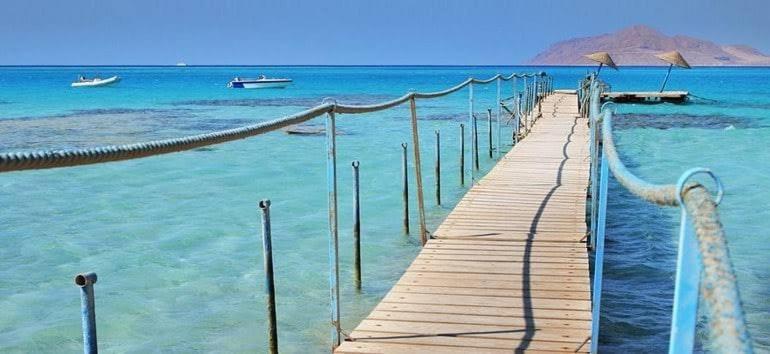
{"points": [[508, 268]]}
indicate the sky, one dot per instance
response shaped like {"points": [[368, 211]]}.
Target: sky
{"points": [[346, 32]]}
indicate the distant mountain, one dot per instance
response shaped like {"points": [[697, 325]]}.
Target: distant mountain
{"points": [[637, 45]]}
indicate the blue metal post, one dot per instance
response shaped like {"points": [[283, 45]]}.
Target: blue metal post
{"points": [[518, 119], [267, 256], [688, 271], [86, 283], [438, 167], [462, 154], [331, 188], [599, 256]]}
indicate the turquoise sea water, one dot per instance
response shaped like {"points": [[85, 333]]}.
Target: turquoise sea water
{"points": [[175, 239]]}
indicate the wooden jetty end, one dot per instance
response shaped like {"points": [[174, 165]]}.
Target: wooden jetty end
{"points": [[508, 269], [646, 97]]}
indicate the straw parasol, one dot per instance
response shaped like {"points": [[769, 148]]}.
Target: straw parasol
{"points": [[603, 58], [672, 58]]}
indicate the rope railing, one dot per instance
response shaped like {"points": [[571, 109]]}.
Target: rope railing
{"points": [[703, 251], [526, 106], [17, 161]]}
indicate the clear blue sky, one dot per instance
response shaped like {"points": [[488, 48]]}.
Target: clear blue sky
{"points": [[441, 32]]}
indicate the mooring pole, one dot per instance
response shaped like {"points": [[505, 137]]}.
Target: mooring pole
{"points": [[418, 171], [334, 263], [462, 154], [405, 189], [475, 142], [438, 167], [356, 226], [86, 283], [489, 130], [267, 256]]}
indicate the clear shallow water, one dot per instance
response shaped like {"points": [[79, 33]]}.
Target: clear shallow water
{"points": [[175, 239]]}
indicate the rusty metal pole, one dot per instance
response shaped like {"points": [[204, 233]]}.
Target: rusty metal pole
{"points": [[418, 171], [356, 225], [438, 167], [267, 256], [405, 189]]}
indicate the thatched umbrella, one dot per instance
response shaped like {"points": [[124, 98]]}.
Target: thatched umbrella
{"points": [[672, 58], [603, 58]]}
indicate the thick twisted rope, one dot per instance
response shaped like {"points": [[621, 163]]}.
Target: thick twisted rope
{"points": [[15, 161], [718, 287]]}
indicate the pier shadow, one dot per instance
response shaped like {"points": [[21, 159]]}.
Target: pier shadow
{"points": [[526, 298], [447, 334]]}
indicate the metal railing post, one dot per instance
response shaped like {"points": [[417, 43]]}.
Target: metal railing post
{"points": [[438, 167], [688, 272], [599, 256], [267, 256], [475, 129], [499, 116], [405, 187], [462, 154], [489, 130], [470, 126], [418, 172], [334, 272], [356, 225], [86, 283]]}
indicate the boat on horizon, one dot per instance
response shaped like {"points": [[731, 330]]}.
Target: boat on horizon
{"points": [[261, 82], [95, 82], [181, 63]]}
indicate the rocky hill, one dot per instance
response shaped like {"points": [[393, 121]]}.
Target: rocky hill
{"points": [[637, 45]]}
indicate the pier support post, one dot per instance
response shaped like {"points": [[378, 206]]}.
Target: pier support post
{"points": [[499, 104], [86, 283], [418, 172], [267, 256], [405, 188], [462, 154], [489, 130], [356, 225], [471, 119], [334, 263], [438, 167]]}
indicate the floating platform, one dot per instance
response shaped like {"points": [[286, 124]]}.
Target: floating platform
{"points": [[646, 97]]}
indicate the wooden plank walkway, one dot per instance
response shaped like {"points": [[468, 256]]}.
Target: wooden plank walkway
{"points": [[508, 270]]}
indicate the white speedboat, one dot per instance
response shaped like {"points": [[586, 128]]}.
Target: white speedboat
{"points": [[95, 82], [260, 82]]}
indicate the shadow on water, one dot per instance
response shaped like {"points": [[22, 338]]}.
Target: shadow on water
{"points": [[671, 121]]}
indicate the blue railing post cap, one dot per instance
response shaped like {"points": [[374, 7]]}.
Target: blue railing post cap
{"points": [[85, 279], [356, 163], [264, 203], [403, 145], [692, 172]]}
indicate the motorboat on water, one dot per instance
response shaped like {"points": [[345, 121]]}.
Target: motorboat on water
{"points": [[95, 82], [260, 82]]}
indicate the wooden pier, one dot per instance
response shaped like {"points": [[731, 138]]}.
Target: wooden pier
{"points": [[508, 269]]}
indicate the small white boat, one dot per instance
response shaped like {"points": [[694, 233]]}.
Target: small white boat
{"points": [[181, 63], [95, 82], [260, 82]]}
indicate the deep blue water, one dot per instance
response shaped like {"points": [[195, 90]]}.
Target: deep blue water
{"points": [[175, 238]]}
